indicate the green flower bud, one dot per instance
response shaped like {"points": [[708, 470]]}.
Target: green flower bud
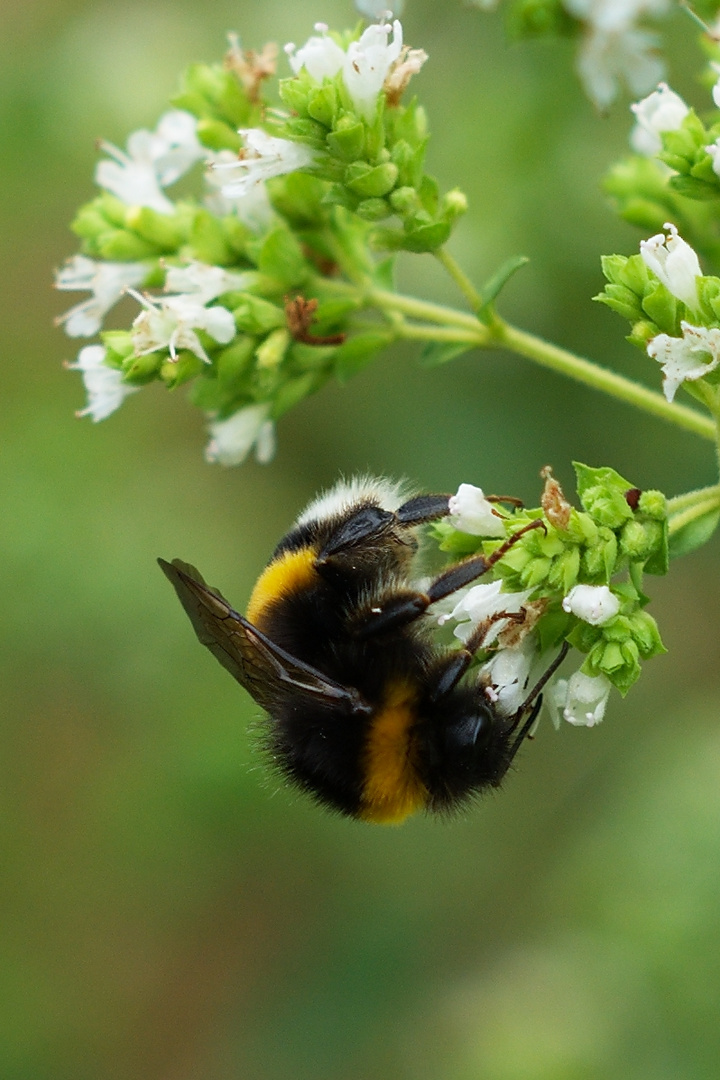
{"points": [[120, 245], [322, 104], [621, 300], [653, 504], [234, 362], [454, 203], [642, 332], [607, 507], [565, 569], [280, 257], [369, 181], [662, 307], [599, 561], [257, 316], [119, 346], [217, 135], [347, 141], [295, 92], [270, 354], [638, 540], [138, 370], [208, 241], [535, 573], [373, 209], [166, 231], [404, 200], [646, 635], [305, 131], [176, 372]]}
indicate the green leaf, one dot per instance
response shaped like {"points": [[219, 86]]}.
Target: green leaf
{"points": [[442, 352], [497, 281], [694, 534]]}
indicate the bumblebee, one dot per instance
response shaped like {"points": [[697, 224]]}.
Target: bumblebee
{"points": [[366, 712]]}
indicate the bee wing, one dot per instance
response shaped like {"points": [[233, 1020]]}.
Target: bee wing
{"points": [[269, 673]]}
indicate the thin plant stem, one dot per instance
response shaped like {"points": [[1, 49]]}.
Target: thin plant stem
{"points": [[460, 278]]}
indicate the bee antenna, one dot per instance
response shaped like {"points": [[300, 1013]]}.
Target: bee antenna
{"points": [[533, 702]]}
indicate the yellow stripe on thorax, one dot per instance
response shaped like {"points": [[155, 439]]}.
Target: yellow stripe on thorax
{"points": [[293, 570], [392, 789]]}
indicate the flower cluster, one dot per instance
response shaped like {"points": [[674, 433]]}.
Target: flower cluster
{"points": [[575, 578], [674, 310], [237, 271]]}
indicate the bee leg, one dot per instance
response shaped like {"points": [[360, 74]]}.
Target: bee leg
{"points": [[464, 572], [533, 702], [405, 607], [452, 667], [423, 508]]}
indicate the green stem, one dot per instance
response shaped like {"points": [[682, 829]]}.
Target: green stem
{"points": [[679, 521], [501, 334], [460, 278], [412, 331], [567, 363], [692, 498]]}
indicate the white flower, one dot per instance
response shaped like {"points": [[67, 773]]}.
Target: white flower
{"points": [[594, 604], [580, 700], [368, 63], [268, 156], [105, 389], [205, 282], [320, 56], [106, 280], [153, 160], [663, 110], [674, 262], [507, 675], [252, 206], [481, 602], [716, 88], [232, 440], [614, 49], [692, 356], [714, 151], [170, 323], [471, 512]]}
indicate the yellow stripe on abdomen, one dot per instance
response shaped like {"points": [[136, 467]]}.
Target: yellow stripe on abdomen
{"points": [[392, 789], [292, 571]]}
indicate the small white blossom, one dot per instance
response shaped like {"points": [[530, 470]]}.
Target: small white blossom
{"points": [[368, 63], [153, 160], [716, 88], [714, 151], [320, 56], [252, 206], [663, 110], [674, 262], [106, 280], [614, 50], [232, 440], [264, 156], [170, 323], [104, 386], [206, 282], [594, 604], [507, 675], [580, 700], [481, 602], [471, 512], [690, 357]]}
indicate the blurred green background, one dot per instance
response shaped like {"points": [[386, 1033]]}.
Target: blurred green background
{"points": [[169, 912]]}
